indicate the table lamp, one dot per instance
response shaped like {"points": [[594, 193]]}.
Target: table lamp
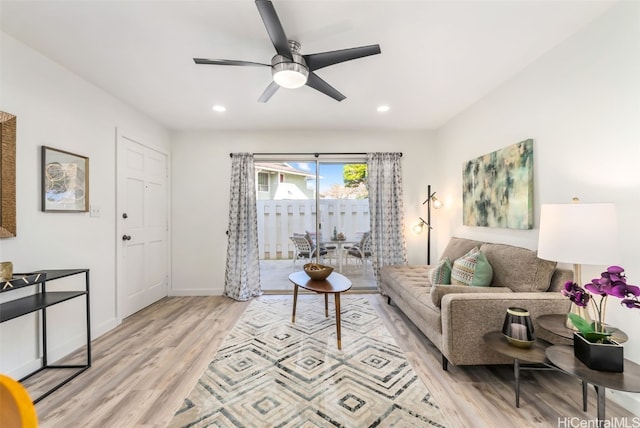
{"points": [[578, 233]]}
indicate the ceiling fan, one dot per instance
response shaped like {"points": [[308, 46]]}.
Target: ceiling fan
{"points": [[289, 68]]}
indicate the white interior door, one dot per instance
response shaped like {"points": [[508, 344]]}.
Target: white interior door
{"points": [[143, 268]]}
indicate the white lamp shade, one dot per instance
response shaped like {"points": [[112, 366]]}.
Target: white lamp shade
{"points": [[579, 233]]}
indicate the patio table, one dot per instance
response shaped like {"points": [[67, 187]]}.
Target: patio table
{"points": [[340, 246]]}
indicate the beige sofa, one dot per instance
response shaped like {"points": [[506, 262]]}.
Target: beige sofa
{"points": [[456, 317]]}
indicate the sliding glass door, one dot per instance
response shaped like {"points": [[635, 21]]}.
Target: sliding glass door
{"points": [[322, 202]]}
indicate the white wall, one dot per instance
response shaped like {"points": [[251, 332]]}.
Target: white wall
{"points": [[581, 105], [201, 169], [57, 108]]}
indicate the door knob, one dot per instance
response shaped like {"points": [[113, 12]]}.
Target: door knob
{"points": [[124, 215], [126, 237]]}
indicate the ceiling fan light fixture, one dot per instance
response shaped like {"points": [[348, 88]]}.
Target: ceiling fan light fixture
{"points": [[289, 73], [289, 69], [290, 79]]}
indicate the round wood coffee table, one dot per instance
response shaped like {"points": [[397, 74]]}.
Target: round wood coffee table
{"points": [[334, 284]]}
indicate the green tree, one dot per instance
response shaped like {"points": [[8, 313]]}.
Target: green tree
{"points": [[354, 173]]}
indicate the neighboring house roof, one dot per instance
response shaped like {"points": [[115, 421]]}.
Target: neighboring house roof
{"points": [[281, 167]]}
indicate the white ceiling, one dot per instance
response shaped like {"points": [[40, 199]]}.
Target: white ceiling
{"points": [[438, 57]]}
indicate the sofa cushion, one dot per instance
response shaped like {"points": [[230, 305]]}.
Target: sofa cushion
{"points": [[518, 268], [472, 269], [438, 291], [458, 247], [441, 274], [399, 277]]}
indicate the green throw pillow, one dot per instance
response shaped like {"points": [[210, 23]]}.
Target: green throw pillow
{"points": [[472, 269], [441, 274]]}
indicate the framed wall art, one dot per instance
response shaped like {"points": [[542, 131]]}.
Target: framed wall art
{"points": [[65, 181], [498, 188], [7, 175]]}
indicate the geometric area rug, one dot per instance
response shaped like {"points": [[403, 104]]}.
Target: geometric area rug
{"points": [[269, 372]]}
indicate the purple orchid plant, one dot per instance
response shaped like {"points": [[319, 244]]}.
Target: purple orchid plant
{"points": [[613, 282]]}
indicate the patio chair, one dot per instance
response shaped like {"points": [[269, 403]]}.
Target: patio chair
{"points": [[305, 250], [360, 251], [331, 248]]}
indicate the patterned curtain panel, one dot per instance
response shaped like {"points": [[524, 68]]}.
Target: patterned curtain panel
{"points": [[242, 276], [386, 210]]}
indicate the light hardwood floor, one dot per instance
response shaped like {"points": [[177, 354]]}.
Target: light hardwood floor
{"points": [[143, 369]]}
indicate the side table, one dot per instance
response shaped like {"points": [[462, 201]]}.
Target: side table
{"points": [[555, 324], [536, 354], [39, 302], [562, 356]]}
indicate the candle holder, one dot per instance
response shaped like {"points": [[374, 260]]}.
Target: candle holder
{"points": [[518, 328]]}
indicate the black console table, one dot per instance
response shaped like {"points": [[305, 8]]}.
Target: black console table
{"points": [[40, 301]]}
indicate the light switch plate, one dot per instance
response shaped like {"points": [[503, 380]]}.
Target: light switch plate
{"points": [[94, 210]]}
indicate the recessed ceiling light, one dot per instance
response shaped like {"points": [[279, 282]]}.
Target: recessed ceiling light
{"points": [[383, 109], [219, 109]]}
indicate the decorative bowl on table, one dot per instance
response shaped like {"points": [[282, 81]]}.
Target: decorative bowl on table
{"points": [[317, 272]]}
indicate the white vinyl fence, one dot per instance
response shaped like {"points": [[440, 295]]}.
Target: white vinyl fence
{"points": [[278, 220]]}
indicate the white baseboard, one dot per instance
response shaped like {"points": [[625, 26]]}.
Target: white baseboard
{"points": [[24, 369], [97, 331], [74, 343], [629, 401], [197, 292], [54, 353]]}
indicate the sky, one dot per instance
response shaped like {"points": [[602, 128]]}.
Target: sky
{"points": [[330, 173]]}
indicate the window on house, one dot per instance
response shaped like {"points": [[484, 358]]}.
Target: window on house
{"points": [[263, 182]]}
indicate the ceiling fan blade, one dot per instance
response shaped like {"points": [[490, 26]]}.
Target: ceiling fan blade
{"points": [[268, 93], [227, 62], [319, 60], [315, 82], [274, 27]]}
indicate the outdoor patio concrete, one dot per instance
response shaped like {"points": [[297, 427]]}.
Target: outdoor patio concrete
{"points": [[274, 275]]}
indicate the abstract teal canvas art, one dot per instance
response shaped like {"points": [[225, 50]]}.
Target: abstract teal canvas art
{"points": [[497, 188]]}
